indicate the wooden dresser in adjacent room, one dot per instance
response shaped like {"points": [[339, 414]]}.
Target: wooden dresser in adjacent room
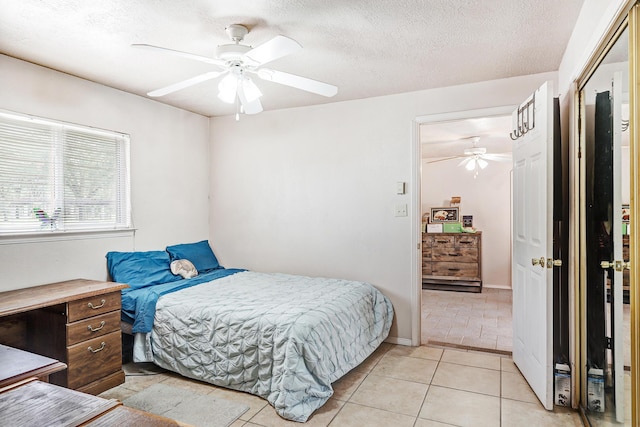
{"points": [[452, 261], [76, 322]]}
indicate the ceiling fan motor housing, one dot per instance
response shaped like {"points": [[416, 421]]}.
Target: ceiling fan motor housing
{"points": [[231, 52], [475, 151]]}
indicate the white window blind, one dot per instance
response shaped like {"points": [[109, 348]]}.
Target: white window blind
{"points": [[57, 177]]}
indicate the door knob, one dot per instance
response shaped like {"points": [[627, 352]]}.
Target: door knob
{"points": [[538, 261], [606, 264], [616, 265], [554, 263]]}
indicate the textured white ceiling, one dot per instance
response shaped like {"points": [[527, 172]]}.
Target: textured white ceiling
{"points": [[366, 48], [447, 139]]}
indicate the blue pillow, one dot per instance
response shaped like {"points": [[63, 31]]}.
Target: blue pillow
{"points": [[140, 269], [200, 255]]}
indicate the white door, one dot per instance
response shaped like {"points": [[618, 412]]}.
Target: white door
{"points": [[533, 244]]}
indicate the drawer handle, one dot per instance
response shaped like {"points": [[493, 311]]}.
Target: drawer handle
{"points": [[95, 307], [442, 241], [454, 254], [98, 328], [454, 269], [462, 242], [102, 346]]}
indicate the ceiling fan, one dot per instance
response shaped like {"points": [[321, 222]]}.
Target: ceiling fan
{"points": [[476, 158], [238, 63]]}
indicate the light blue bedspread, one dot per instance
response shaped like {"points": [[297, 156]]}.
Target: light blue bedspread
{"points": [[282, 337]]}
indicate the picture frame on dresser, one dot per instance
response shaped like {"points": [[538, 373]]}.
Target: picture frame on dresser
{"points": [[445, 214]]}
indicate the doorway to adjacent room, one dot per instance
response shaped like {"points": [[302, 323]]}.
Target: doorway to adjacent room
{"points": [[469, 158]]}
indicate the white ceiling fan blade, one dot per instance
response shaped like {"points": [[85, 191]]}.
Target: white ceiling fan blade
{"points": [[253, 107], [185, 83], [275, 48], [503, 157], [443, 159], [180, 53], [298, 82]]}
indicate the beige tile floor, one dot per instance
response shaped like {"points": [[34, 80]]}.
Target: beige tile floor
{"points": [[481, 320], [402, 386], [471, 320]]}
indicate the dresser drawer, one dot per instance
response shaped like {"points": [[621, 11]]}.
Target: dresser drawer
{"points": [[455, 254], [426, 252], [92, 327], [427, 239], [426, 267], [455, 269], [443, 241], [93, 359], [466, 240], [92, 306]]}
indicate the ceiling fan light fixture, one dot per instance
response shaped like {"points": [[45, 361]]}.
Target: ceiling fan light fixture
{"points": [[251, 91], [471, 165], [227, 88], [482, 163]]}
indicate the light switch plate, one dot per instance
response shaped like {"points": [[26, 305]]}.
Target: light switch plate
{"points": [[401, 209], [401, 187]]}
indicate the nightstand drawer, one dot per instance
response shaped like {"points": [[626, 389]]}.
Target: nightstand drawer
{"points": [[93, 327], [92, 306], [93, 359]]}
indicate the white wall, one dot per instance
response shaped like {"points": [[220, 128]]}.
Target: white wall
{"points": [[595, 18], [487, 198], [169, 172], [312, 190]]}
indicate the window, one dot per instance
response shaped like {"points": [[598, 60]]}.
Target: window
{"points": [[59, 177]]}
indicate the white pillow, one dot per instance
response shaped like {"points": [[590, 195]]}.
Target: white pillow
{"points": [[184, 268]]}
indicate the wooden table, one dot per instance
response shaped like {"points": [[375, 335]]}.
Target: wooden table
{"points": [[17, 365], [36, 403]]}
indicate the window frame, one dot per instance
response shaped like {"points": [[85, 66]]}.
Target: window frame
{"points": [[121, 219]]}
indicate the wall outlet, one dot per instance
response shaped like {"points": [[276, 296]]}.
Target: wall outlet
{"points": [[401, 209]]}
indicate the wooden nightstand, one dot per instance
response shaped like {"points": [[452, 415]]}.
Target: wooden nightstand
{"points": [[76, 322]]}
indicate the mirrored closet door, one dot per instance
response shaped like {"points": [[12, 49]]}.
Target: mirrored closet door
{"points": [[605, 293]]}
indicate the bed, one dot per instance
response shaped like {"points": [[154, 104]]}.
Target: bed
{"points": [[282, 337]]}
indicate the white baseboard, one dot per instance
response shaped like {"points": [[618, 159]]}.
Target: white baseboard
{"points": [[399, 341], [492, 286]]}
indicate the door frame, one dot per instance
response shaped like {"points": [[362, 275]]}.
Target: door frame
{"points": [[416, 175]]}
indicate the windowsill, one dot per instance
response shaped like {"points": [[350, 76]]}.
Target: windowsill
{"points": [[10, 239]]}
